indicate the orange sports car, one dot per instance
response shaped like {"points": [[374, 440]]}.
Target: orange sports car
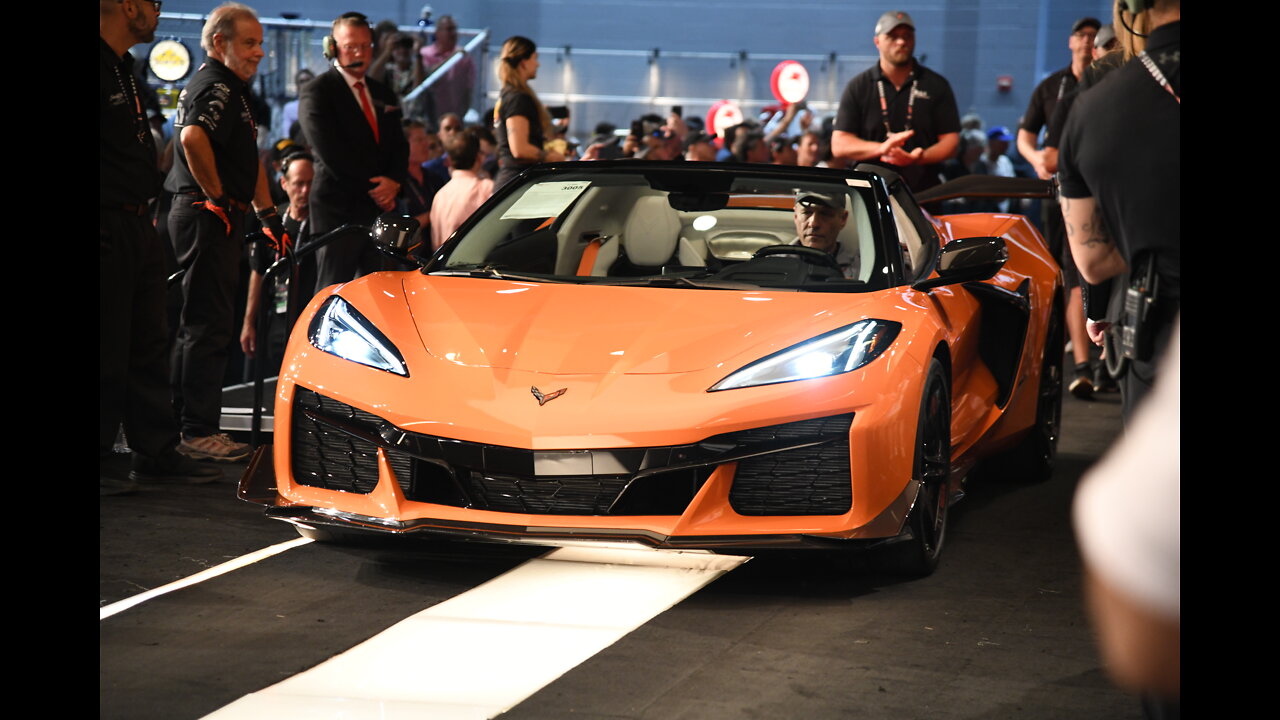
{"points": [[685, 355]]}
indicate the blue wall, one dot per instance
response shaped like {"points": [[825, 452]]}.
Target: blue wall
{"points": [[971, 42]]}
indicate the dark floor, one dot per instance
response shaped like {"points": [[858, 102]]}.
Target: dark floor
{"points": [[997, 632]]}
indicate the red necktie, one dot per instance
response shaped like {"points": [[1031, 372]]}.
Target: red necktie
{"points": [[368, 109]]}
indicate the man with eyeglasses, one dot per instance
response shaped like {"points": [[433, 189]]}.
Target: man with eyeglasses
{"points": [[133, 342], [297, 171], [353, 123]]}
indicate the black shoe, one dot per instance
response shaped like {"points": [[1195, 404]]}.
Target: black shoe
{"points": [[1082, 386], [113, 475], [1102, 380], [172, 467]]}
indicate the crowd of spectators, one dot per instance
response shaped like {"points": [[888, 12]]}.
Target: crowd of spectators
{"points": [[371, 140]]}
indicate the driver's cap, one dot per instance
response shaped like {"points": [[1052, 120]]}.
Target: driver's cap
{"points": [[811, 197]]}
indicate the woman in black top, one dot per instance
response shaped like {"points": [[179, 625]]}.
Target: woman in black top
{"points": [[521, 123]]}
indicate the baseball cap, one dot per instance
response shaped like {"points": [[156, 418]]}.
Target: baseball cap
{"points": [[894, 18], [696, 137], [1106, 34], [1086, 22], [999, 132], [812, 197]]}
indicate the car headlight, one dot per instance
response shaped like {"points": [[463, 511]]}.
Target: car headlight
{"points": [[839, 351], [339, 329]]}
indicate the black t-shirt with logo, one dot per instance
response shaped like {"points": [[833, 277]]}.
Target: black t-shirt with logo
{"points": [[933, 114], [218, 101]]}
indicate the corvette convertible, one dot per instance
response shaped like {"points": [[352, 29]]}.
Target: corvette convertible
{"points": [[682, 355]]}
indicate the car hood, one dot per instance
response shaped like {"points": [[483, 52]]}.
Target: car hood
{"points": [[589, 329]]}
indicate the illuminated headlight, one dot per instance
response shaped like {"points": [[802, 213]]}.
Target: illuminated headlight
{"points": [[341, 330], [833, 353]]}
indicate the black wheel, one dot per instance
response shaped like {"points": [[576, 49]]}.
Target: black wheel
{"points": [[927, 520], [1033, 459]]}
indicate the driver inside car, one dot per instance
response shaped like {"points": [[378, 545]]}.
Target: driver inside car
{"points": [[819, 218]]}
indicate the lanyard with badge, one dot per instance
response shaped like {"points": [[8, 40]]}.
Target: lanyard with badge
{"points": [[139, 118], [884, 106]]}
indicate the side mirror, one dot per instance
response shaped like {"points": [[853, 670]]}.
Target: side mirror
{"points": [[967, 260], [395, 234]]}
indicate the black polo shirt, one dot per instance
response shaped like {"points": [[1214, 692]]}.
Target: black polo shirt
{"points": [[1091, 76], [933, 114], [127, 173], [218, 101], [1045, 98], [1121, 147]]}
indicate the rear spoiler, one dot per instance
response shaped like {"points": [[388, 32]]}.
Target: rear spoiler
{"points": [[989, 186]]}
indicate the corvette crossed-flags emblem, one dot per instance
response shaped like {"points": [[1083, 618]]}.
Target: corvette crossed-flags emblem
{"points": [[544, 399]]}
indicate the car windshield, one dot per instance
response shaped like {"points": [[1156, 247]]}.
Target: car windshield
{"points": [[676, 226]]}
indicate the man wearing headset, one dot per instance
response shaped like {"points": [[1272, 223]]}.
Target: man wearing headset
{"points": [[353, 124], [1120, 167]]}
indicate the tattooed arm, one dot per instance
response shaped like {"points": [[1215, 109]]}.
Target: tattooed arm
{"points": [[1092, 247]]}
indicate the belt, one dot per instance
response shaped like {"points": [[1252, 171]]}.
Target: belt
{"points": [[129, 208], [197, 197]]}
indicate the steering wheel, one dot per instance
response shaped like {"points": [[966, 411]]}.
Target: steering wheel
{"points": [[813, 256]]}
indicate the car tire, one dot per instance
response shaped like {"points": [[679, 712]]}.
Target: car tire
{"points": [[1032, 460], [918, 556]]}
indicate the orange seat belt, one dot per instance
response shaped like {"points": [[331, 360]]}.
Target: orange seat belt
{"points": [[589, 254]]}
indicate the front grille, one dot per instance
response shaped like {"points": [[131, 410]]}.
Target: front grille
{"points": [[804, 481], [324, 456], [335, 446], [584, 495]]}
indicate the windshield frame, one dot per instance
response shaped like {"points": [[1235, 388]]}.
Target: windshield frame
{"points": [[887, 271]]}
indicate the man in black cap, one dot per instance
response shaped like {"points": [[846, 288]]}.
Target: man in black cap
{"points": [[898, 113], [1052, 89], [133, 343], [700, 147], [819, 218], [1043, 101]]}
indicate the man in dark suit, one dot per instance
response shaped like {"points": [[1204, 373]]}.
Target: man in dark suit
{"points": [[353, 125]]}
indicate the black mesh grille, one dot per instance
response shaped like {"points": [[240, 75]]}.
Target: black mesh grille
{"points": [[590, 495], [654, 481], [326, 457], [806, 481]]}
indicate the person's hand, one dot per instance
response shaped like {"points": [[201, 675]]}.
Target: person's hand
{"points": [[553, 156], [677, 126], [895, 140], [248, 338], [593, 151], [216, 206], [279, 240], [806, 119], [898, 156], [384, 192], [1096, 329], [1037, 164]]}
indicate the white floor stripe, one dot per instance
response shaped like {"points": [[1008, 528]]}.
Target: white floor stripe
{"points": [[107, 611], [476, 655]]}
